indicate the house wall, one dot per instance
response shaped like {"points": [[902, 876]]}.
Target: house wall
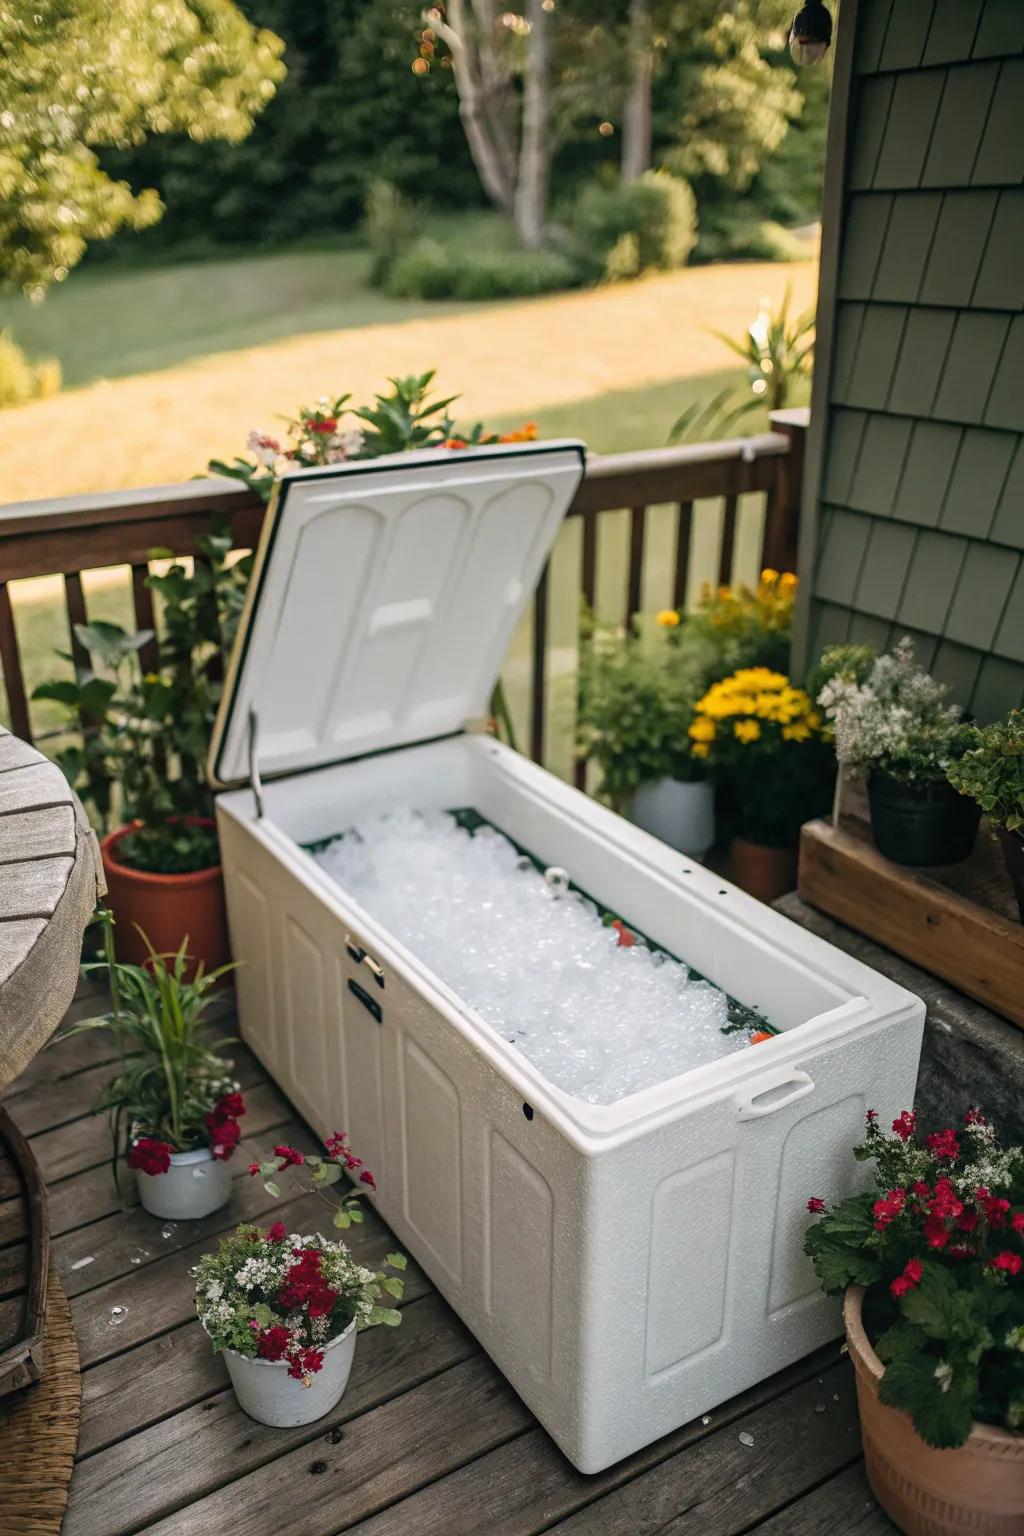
{"points": [[914, 509]]}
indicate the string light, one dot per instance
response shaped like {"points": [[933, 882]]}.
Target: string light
{"points": [[606, 129], [811, 33]]}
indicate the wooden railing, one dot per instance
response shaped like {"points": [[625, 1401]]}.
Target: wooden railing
{"points": [[71, 535]]}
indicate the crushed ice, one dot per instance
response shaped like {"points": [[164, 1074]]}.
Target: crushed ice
{"points": [[600, 1019]]}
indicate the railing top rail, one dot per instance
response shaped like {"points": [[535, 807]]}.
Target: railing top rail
{"points": [[664, 472]]}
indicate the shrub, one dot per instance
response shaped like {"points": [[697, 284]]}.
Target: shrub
{"points": [[22, 380], [390, 224], [728, 235], [512, 274], [423, 271], [629, 227], [991, 771]]}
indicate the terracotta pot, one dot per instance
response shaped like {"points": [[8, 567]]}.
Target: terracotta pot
{"points": [[766, 873], [1013, 852], [976, 1488], [168, 908]]}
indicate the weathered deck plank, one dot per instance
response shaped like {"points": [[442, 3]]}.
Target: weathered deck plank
{"points": [[429, 1439]]}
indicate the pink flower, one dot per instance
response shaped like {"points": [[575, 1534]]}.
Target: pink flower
{"points": [[905, 1124], [1010, 1263], [815, 1205], [150, 1156], [265, 447], [943, 1145]]}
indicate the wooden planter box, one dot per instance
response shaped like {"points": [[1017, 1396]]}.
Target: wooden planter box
{"points": [[958, 921]]}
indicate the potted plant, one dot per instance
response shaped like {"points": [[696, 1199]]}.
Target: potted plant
{"points": [[739, 626], [636, 701], [174, 1107], [140, 764], [932, 1263], [284, 1310], [991, 773], [892, 723], [763, 738]]}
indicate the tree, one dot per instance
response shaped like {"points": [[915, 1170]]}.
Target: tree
{"points": [[80, 74]]}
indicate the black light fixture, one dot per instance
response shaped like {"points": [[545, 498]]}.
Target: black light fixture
{"points": [[811, 33]]}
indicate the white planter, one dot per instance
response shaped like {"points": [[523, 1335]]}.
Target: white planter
{"points": [[268, 1394], [195, 1184], [681, 815]]}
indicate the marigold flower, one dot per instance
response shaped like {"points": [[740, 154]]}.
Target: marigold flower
{"points": [[769, 576], [703, 729], [668, 618], [746, 730]]}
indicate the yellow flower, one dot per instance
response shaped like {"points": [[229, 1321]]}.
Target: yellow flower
{"points": [[700, 749], [746, 730], [703, 729], [789, 581], [769, 577], [151, 677], [796, 732], [668, 618]]}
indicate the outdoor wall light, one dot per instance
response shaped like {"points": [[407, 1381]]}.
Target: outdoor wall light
{"points": [[811, 33]]}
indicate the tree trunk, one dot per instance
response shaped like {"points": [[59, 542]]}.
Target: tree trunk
{"points": [[636, 121], [531, 198], [480, 97]]}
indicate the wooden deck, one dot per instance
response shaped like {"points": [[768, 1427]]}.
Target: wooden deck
{"points": [[429, 1439]]}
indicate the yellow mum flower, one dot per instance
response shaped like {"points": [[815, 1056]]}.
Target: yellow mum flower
{"points": [[703, 730], [700, 749], [769, 577], [796, 732], [789, 581], [746, 730], [668, 618]]}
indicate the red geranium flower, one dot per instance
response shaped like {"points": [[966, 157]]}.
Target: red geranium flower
{"points": [[305, 1362], [292, 1159], [815, 1205], [996, 1210], [935, 1234], [228, 1107], [910, 1278], [366, 1177], [254, 1169], [277, 1233], [1010, 1262], [887, 1210], [328, 424], [871, 1116], [905, 1124], [273, 1342], [1017, 1221], [943, 1145], [149, 1155], [225, 1136]]}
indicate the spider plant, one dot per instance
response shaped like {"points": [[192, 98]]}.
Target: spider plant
{"points": [[169, 1074]]}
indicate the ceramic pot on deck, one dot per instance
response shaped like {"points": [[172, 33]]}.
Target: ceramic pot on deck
{"points": [[978, 1487], [1012, 844], [764, 872], [195, 1184], [168, 908], [925, 823], [268, 1394], [679, 814]]}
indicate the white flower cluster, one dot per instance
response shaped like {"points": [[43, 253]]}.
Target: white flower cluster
{"points": [[898, 712], [987, 1165]]}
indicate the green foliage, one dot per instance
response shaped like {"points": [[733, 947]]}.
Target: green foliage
{"points": [[777, 352], [939, 1243], [991, 770], [85, 74], [22, 380], [390, 224], [621, 229], [732, 233], [450, 269], [146, 735], [168, 1077], [636, 699]]}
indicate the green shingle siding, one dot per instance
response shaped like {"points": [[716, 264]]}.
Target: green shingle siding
{"points": [[922, 531]]}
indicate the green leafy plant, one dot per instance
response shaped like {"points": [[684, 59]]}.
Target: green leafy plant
{"points": [[777, 351], [891, 716], [939, 1244], [21, 379], [740, 626], [279, 1296], [172, 1091], [143, 735], [991, 771], [620, 229], [636, 703]]}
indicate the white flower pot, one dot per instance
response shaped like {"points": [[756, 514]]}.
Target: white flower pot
{"points": [[268, 1394], [195, 1184], [681, 815]]}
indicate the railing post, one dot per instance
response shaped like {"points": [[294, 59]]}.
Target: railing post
{"points": [[782, 513], [10, 664]]}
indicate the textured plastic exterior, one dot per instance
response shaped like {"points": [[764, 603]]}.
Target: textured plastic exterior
{"points": [[630, 1266]]}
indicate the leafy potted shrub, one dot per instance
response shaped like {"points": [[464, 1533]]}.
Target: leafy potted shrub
{"points": [[763, 737], [635, 707], [174, 1106], [991, 773], [892, 724], [740, 626], [284, 1310], [140, 761], [932, 1264]]}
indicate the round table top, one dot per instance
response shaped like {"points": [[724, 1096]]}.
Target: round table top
{"points": [[51, 878]]}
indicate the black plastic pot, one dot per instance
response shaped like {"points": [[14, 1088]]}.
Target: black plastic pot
{"points": [[1013, 853], [928, 823]]}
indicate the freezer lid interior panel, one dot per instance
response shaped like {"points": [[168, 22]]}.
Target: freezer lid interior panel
{"points": [[384, 597]]}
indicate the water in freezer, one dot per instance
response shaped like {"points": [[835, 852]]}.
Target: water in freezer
{"points": [[599, 1019]]}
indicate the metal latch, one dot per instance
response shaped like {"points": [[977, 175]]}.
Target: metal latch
{"points": [[359, 955], [254, 772]]}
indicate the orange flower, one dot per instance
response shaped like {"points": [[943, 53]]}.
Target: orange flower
{"points": [[456, 442]]}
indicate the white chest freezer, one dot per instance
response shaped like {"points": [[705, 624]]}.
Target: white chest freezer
{"points": [[628, 1265]]}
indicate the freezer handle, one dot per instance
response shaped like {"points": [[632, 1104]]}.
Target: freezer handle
{"points": [[770, 1093]]}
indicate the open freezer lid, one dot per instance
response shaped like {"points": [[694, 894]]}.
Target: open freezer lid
{"points": [[383, 599]]}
